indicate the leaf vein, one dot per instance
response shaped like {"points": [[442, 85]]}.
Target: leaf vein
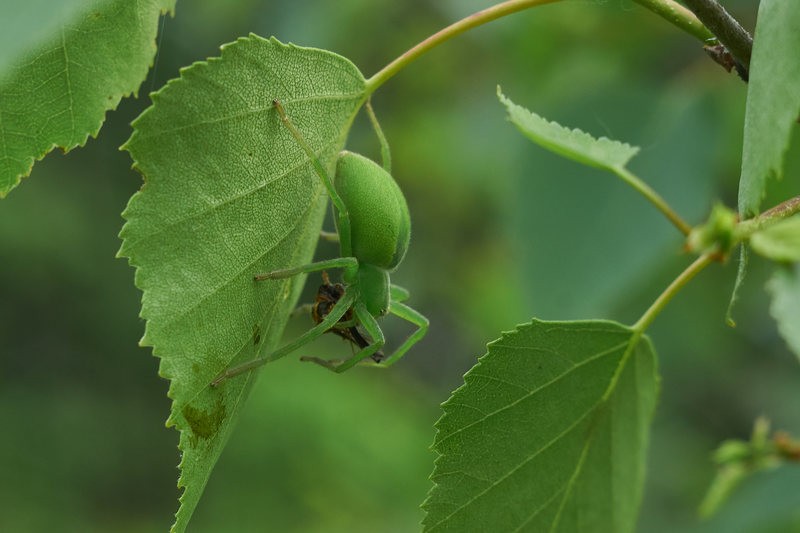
{"points": [[528, 459], [248, 112], [190, 308], [210, 207], [553, 381]]}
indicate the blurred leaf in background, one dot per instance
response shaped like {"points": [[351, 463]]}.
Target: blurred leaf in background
{"points": [[349, 453], [55, 92], [503, 231], [26, 25]]}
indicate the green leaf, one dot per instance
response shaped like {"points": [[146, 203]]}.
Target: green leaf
{"points": [[773, 101], [31, 22], [785, 289], [304, 474], [548, 433], [727, 478], [779, 242], [737, 460], [573, 144], [228, 193], [57, 94], [766, 503]]}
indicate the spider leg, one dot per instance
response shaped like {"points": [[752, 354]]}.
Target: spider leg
{"points": [[398, 293], [373, 330], [342, 214], [415, 317], [349, 264], [386, 154], [330, 320]]}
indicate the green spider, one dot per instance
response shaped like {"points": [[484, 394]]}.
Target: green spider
{"points": [[374, 228]]}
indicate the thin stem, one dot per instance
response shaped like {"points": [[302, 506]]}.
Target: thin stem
{"points": [[726, 28], [654, 198], [457, 28], [783, 209], [668, 9], [771, 216], [677, 284], [681, 17]]}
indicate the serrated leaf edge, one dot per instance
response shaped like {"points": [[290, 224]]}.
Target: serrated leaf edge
{"points": [[550, 145], [121, 253], [110, 105], [636, 338]]}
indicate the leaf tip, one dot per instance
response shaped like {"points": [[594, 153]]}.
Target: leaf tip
{"points": [[500, 95]]}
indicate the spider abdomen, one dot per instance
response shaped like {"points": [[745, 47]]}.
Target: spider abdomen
{"points": [[380, 225]]}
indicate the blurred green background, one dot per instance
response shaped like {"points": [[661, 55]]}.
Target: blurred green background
{"points": [[502, 232]]}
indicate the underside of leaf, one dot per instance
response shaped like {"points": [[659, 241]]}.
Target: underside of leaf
{"points": [[548, 433], [228, 193]]}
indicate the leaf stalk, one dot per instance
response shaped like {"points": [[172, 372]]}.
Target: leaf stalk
{"points": [[654, 198], [676, 14], [677, 284], [668, 9], [476, 19]]}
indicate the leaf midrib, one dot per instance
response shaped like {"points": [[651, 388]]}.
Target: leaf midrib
{"points": [[270, 311], [174, 318]]}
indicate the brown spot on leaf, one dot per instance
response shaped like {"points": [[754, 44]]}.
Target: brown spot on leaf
{"points": [[205, 424]]}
